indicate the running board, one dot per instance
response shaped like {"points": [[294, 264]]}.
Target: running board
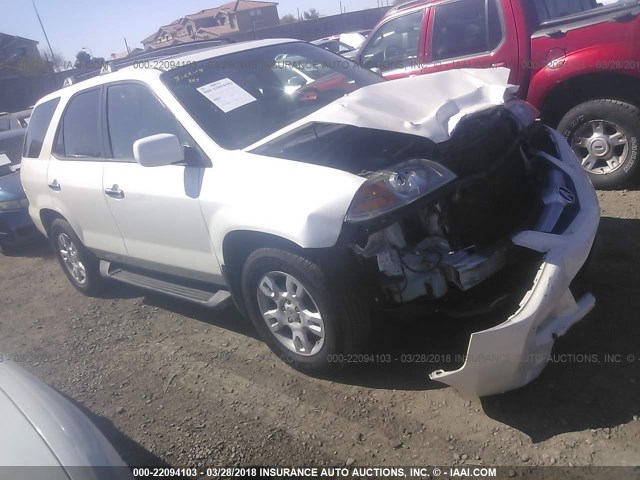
{"points": [[214, 300]]}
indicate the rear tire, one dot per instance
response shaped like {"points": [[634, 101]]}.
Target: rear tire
{"points": [[307, 319], [605, 135], [80, 266]]}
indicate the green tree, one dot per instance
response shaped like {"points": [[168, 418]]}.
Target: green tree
{"points": [[311, 13], [288, 19], [85, 60]]}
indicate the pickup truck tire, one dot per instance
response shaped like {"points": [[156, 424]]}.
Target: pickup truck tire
{"points": [[79, 265], [306, 319], [605, 135]]}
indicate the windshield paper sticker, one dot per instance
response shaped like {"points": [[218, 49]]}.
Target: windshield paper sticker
{"points": [[4, 160], [226, 95]]}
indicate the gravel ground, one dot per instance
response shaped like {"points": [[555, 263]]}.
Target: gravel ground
{"points": [[170, 383]]}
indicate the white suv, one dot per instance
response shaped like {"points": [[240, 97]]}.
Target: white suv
{"points": [[220, 175]]}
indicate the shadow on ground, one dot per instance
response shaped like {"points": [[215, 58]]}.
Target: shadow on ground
{"points": [[131, 452], [594, 381]]}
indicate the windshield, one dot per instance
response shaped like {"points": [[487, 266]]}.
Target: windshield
{"points": [[243, 97]]}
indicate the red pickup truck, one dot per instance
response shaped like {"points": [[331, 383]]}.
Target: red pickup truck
{"points": [[577, 61]]}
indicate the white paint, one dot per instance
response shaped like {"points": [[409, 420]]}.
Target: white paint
{"points": [[4, 160]]}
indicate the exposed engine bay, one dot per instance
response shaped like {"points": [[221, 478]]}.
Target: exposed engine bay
{"points": [[489, 187]]}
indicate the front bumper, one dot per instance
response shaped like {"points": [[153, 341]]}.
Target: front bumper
{"points": [[16, 228], [514, 353]]}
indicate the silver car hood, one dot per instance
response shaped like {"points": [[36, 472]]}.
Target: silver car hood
{"points": [[47, 430], [430, 106]]}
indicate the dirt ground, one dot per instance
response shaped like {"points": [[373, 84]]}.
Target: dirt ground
{"points": [[170, 383]]}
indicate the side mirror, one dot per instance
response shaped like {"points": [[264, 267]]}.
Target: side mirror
{"points": [[158, 150]]}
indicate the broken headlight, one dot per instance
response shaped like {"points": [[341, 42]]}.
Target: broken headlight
{"points": [[387, 191]]}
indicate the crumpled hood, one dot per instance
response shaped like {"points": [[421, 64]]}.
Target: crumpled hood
{"points": [[429, 106]]}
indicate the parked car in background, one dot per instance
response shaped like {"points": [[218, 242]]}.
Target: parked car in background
{"points": [[16, 227], [14, 121], [43, 429], [577, 61], [203, 178], [336, 46]]}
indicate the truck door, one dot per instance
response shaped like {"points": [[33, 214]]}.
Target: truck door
{"points": [[396, 48], [472, 34]]}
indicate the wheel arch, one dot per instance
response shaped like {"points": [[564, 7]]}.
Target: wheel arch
{"points": [[590, 86], [236, 248], [47, 217]]}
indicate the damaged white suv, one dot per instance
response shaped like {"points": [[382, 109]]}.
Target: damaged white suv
{"points": [[310, 200]]}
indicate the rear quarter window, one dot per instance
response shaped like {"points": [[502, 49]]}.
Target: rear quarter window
{"points": [[38, 126], [549, 10]]}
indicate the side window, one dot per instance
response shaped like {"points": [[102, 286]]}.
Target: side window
{"points": [[395, 44], [38, 126], [80, 133], [552, 9], [134, 112], [466, 27]]}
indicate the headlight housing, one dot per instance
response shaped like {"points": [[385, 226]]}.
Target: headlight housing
{"points": [[387, 191], [14, 205]]}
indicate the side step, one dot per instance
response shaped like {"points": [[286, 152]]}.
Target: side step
{"points": [[215, 299]]}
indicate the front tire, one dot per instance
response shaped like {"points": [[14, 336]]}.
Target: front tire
{"points": [[307, 320], [79, 265], [604, 134]]}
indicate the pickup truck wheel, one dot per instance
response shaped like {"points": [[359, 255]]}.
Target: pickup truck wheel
{"points": [[300, 314], [79, 265], [604, 134]]}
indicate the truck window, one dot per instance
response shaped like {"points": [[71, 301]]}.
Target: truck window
{"points": [[134, 112], [38, 126], [80, 134], [466, 27], [395, 44], [552, 9]]}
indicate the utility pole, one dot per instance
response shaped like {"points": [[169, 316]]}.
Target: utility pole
{"points": [[43, 30], [127, 45]]}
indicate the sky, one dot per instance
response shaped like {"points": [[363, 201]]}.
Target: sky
{"points": [[102, 25]]}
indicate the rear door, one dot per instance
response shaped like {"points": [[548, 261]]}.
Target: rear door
{"points": [[157, 209], [472, 34], [610, 28], [35, 162], [396, 48], [75, 173]]}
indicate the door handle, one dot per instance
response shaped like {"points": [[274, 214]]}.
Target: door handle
{"points": [[55, 186], [557, 34], [114, 192]]}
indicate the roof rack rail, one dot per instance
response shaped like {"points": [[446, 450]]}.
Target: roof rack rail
{"points": [[165, 52], [405, 5]]}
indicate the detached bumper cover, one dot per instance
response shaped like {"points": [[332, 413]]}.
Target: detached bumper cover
{"points": [[514, 353]]}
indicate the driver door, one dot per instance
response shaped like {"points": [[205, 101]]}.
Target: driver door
{"points": [[157, 209], [397, 48]]}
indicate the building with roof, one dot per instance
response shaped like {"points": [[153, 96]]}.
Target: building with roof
{"points": [[233, 17], [18, 56]]}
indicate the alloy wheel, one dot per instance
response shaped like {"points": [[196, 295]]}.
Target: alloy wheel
{"points": [[291, 314], [71, 259], [601, 146]]}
